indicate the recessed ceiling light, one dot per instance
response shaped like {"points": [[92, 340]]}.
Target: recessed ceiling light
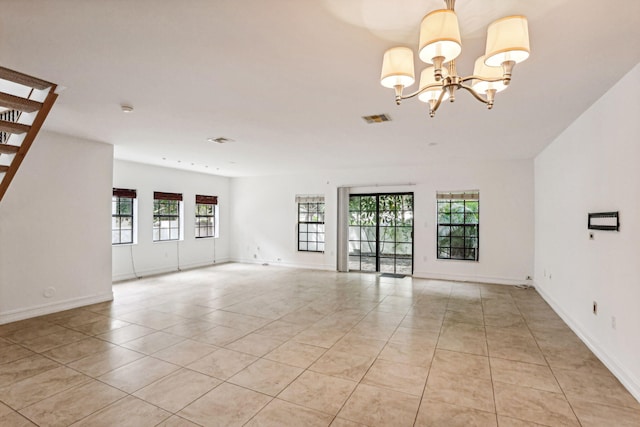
{"points": [[433, 144], [126, 108], [219, 140]]}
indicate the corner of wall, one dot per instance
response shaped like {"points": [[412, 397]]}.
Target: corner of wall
{"points": [[626, 377], [592, 167]]}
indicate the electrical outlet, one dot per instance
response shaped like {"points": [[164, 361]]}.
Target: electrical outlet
{"points": [[613, 322], [595, 308]]}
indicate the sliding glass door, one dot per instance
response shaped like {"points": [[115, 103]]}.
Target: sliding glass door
{"points": [[381, 233]]}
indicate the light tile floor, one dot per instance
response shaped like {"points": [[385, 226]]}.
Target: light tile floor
{"points": [[266, 346]]}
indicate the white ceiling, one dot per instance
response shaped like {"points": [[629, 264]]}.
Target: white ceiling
{"points": [[289, 80]]}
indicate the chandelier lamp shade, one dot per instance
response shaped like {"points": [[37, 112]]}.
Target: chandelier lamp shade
{"points": [[440, 45]]}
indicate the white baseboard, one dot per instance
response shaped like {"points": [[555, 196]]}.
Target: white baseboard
{"points": [[40, 310], [468, 278], [329, 267], [419, 275], [628, 380], [203, 264], [156, 271]]}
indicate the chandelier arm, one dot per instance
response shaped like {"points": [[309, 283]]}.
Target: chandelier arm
{"points": [[475, 94], [418, 92], [484, 79], [435, 107]]}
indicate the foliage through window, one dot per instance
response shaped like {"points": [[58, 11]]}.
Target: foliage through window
{"points": [[458, 225], [122, 216], [166, 216], [205, 216], [381, 233], [310, 223]]}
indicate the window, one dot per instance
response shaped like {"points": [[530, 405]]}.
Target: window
{"points": [[458, 225], [122, 216], [166, 216], [206, 216], [310, 223]]}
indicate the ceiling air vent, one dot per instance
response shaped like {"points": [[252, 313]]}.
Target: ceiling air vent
{"points": [[377, 118]]}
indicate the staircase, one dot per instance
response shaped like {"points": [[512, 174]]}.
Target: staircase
{"points": [[25, 102]]}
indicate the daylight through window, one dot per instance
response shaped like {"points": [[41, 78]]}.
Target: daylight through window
{"points": [[122, 216], [166, 216], [206, 216], [458, 225], [310, 223]]}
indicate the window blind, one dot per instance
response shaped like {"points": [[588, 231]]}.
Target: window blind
{"points": [[458, 195], [309, 198], [166, 196], [122, 192], [206, 200]]}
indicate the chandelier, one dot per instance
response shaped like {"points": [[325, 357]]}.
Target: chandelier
{"points": [[440, 45]]}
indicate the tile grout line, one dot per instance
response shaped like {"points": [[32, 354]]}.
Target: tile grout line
{"points": [[424, 389], [352, 301], [547, 362], [374, 359], [493, 387], [365, 374]]}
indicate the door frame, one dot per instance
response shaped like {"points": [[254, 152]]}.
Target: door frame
{"points": [[377, 195]]}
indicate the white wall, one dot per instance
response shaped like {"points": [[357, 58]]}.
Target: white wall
{"points": [[151, 258], [593, 167], [264, 216], [54, 228]]}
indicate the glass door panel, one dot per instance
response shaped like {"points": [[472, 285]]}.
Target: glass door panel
{"points": [[381, 233], [363, 239]]}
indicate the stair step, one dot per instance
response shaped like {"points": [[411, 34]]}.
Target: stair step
{"points": [[11, 127], [30, 131], [21, 104], [8, 149], [23, 79]]}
